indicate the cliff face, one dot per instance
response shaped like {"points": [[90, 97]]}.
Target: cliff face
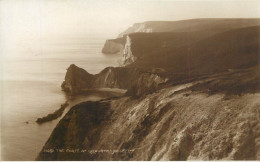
{"points": [[190, 96], [207, 27], [182, 53], [192, 25], [179, 56], [183, 122], [113, 46], [128, 56], [78, 80]]}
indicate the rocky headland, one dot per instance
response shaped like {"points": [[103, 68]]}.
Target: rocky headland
{"points": [[113, 46], [190, 95], [56, 114], [78, 80]]}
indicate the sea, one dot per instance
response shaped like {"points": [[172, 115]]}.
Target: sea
{"points": [[30, 87]]}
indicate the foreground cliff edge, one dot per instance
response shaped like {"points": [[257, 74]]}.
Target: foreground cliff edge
{"points": [[195, 99]]}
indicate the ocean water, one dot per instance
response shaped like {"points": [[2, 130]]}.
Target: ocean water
{"points": [[30, 88]]}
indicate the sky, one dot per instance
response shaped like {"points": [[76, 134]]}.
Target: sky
{"points": [[34, 19]]}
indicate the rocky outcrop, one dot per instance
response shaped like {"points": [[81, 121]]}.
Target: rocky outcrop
{"points": [[77, 79], [76, 130], [53, 115], [174, 123], [113, 46], [128, 57], [145, 84]]}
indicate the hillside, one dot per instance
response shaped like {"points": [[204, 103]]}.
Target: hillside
{"points": [[190, 95], [178, 122], [192, 25], [172, 57], [186, 53], [207, 27]]}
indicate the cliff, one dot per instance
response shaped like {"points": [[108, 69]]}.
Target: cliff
{"points": [[193, 121], [191, 95], [128, 56], [56, 114], [171, 56], [206, 27], [77, 80], [180, 54], [192, 25], [113, 46]]}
